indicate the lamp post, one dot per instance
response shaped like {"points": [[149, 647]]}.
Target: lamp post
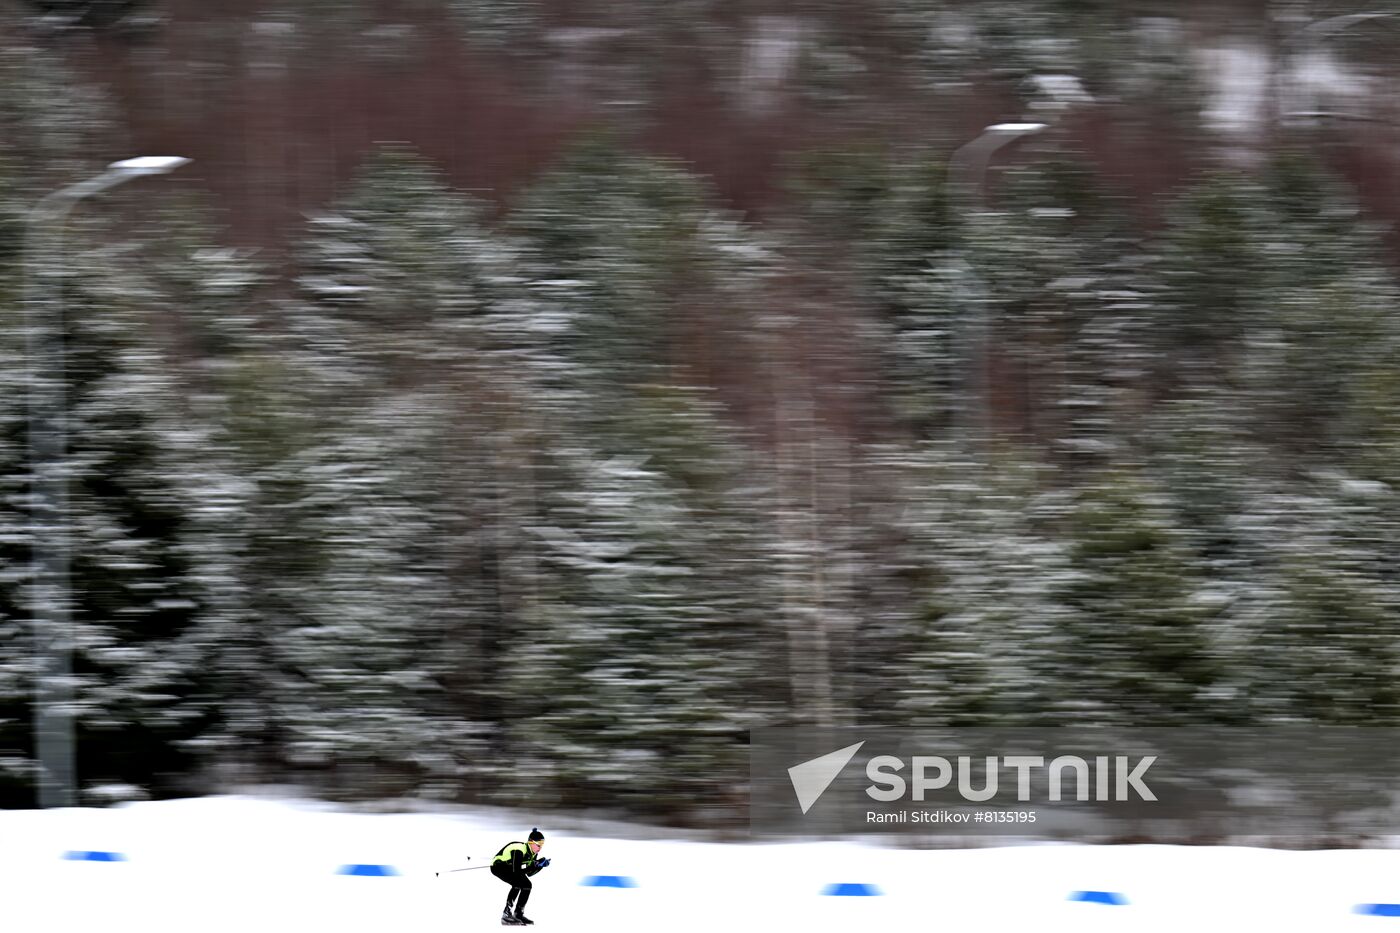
{"points": [[967, 169], [50, 594]]}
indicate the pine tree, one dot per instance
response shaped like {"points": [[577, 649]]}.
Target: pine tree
{"points": [[384, 592], [990, 637], [650, 624], [1319, 609], [1146, 641], [225, 415], [131, 585], [638, 682]]}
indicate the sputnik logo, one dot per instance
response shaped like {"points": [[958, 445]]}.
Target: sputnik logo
{"points": [[811, 778]]}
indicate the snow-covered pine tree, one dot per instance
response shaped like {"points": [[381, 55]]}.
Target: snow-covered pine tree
{"points": [[989, 636], [1147, 650], [1312, 615], [16, 684], [647, 652], [385, 614], [131, 586]]}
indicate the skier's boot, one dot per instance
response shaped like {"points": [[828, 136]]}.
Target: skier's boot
{"points": [[522, 919], [508, 919]]}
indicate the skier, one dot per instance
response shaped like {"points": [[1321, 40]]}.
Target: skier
{"points": [[515, 864]]}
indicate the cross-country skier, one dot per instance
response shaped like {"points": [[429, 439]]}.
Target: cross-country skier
{"points": [[515, 864]]}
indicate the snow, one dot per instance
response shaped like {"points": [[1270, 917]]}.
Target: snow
{"points": [[1238, 73], [772, 52], [250, 864]]}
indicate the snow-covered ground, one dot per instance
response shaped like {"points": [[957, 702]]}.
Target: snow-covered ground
{"points": [[248, 864]]}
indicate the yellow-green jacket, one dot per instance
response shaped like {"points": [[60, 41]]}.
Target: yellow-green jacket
{"points": [[519, 856]]}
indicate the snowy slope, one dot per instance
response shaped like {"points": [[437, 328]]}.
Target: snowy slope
{"points": [[245, 864]]}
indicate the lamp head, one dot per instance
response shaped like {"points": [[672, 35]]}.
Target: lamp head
{"points": [[1016, 127], [149, 165]]}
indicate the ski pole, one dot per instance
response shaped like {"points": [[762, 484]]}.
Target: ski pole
{"points": [[451, 870]]}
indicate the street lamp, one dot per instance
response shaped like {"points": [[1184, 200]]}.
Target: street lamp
{"points": [[967, 169], [50, 596], [973, 157]]}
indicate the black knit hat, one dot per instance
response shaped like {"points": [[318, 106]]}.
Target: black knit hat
{"points": [[536, 836]]}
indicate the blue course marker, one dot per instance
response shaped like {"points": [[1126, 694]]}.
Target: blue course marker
{"points": [[368, 871], [1099, 897], [77, 855], [851, 889], [608, 881], [1378, 910]]}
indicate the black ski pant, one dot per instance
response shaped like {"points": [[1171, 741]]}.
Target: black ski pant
{"points": [[519, 884]]}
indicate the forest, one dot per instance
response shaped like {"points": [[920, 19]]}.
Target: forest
{"points": [[540, 481]]}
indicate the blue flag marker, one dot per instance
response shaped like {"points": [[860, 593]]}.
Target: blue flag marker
{"points": [[608, 881], [93, 856], [1099, 897], [1378, 910], [368, 871], [851, 889]]}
